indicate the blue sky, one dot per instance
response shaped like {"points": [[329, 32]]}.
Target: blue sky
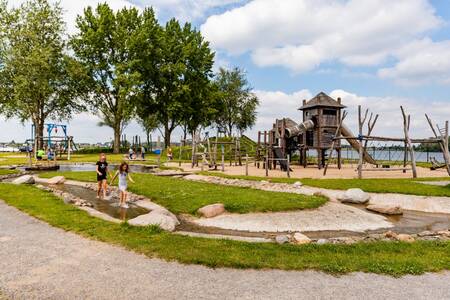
{"points": [[377, 53]]}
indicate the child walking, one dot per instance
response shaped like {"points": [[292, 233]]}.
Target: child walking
{"points": [[102, 171], [123, 173]]}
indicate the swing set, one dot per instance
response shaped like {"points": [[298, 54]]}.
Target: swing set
{"points": [[62, 143]]}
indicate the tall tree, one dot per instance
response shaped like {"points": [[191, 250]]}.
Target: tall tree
{"points": [[148, 123], [238, 104], [38, 80], [176, 94], [107, 45]]}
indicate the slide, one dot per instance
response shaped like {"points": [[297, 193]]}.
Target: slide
{"points": [[279, 154], [355, 144]]}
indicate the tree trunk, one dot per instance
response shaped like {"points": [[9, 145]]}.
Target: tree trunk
{"points": [[117, 132], [148, 138], [167, 134], [39, 134], [185, 131]]}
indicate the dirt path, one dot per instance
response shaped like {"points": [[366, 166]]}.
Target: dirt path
{"points": [[38, 261]]}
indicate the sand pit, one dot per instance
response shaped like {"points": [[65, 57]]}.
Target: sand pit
{"points": [[331, 216], [347, 171]]}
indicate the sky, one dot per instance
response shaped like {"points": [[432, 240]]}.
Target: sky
{"points": [[376, 53]]}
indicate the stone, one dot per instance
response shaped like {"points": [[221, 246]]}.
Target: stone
{"points": [[25, 179], [157, 217], [354, 195], [57, 180], [264, 182], [405, 238], [385, 209], [282, 239], [322, 241], [426, 233], [445, 233], [297, 184], [211, 210], [299, 238], [390, 234]]}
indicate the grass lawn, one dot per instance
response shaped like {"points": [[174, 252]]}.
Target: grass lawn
{"points": [[7, 172], [407, 186], [183, 196], [21, 158], [394, 258]]}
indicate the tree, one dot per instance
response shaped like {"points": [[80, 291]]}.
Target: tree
{"points": [[180, 88], [107, 45], [148, 123], [238, 104], [38, 80]]}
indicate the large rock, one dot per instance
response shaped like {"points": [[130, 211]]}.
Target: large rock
{"points": [[25, 179], [405, 238], [282, 239], [57, 180], [211, 210], [163, 219], [297, 184], [300, 239], [385, 209], [355, 195]]}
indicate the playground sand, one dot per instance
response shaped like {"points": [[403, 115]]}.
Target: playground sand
{"points": [[347, 171]]}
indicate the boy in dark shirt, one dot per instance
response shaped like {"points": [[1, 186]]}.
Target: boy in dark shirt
{"points": [[102, 171]]}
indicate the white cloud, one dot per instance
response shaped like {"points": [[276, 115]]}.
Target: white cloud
{"points": [[421, 62], [302, 34], [187, 10]]}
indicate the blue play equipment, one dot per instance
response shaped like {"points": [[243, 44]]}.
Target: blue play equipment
{"points": [[50, 128]]}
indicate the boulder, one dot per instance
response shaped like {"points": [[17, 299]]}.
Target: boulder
{"points": [[57, 180], [300, 239], [390, 234], [157, 217], [25, 179], [297, 184], [322, 241], [282, 239], [385, 209], [211, 210], [405, 238], [355, 195]]}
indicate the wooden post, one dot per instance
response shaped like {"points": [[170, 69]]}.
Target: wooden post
{"points": [[267, 164], [193, 149], [223, 158], [406, 124], [246, 165], [360, 125], [442, 143], [69, 147], [288, 166]]}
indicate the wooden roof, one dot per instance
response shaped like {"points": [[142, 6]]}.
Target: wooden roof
{"points": [[321, 100]]}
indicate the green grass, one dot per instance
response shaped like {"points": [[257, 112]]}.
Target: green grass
{"points": [[394, 258], [7, 172], [183, 196], [21, 158], [373, 185]]}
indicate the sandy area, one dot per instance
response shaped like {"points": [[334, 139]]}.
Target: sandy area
{"points": [[331, 216], [347, 171]]}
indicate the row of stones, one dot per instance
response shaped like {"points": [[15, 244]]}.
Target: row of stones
{"points": [[299, 238]]}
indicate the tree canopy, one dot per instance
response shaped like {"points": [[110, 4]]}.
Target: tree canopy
{"points": [[236, 101], [38, 80], [108, 46]]}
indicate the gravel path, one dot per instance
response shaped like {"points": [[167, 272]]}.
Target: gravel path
{"points": [[38, 261]]}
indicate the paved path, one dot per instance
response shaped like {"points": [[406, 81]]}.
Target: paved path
{"points": [[38, 261]]}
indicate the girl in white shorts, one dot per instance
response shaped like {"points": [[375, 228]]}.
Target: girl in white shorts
{"points": [[123, 173]]}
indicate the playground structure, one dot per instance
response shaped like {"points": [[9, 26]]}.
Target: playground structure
{"points": [[322, 131], [206, 151], [58, 144], [322, 122]]}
